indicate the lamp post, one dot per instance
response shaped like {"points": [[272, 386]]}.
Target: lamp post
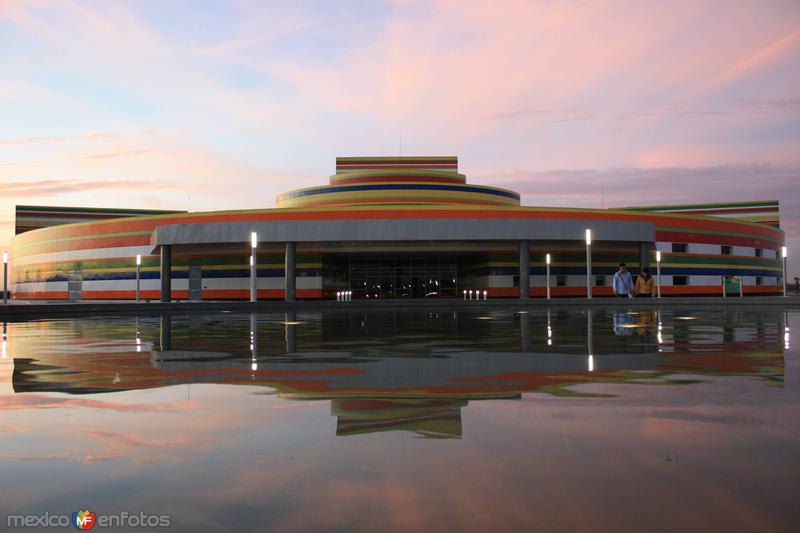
{"points": [[588, 263], [658, 273], [547, 275], [253, 269], [138, 275], [784, 254], [5, 277]]}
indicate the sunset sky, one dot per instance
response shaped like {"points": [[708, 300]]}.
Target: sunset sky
{"points": [[144, 104]]}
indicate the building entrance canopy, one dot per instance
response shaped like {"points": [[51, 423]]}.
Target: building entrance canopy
{"points": [[403, 229]]}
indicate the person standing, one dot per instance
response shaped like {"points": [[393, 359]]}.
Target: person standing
{"points": [[644, 284], [623, 283]]}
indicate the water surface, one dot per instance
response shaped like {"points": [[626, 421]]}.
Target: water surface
{"points": [[560, 420]]}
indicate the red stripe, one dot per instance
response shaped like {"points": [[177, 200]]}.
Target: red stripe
{"points": [[44, 295]]}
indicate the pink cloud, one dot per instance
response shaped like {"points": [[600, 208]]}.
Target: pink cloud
{"points": [[43, 401]]}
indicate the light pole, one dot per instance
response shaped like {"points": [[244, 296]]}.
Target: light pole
{"points": [[5, 277], [547, 276], [588, 263], [138, 275], [785, 254], [253, 269], [658, 273]]}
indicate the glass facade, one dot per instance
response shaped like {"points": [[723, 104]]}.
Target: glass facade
{"points": [[374, 278]]}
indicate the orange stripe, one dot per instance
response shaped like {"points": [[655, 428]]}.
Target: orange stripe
{"points": [[46, 295]]}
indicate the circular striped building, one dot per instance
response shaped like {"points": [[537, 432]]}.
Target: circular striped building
{"points": [[391, 227]]}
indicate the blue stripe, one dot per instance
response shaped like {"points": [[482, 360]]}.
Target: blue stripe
{"points": [[403, 187]]}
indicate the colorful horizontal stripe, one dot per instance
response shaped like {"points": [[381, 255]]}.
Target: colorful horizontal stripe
{"points": [[763, 212], [30, 217], [351, 164], [408, 192]]}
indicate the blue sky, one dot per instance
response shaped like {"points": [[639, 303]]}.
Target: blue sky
{"points": [[140, 104]]}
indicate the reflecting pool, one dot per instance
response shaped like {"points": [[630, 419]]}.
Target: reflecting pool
{"points": [[662, 419]]}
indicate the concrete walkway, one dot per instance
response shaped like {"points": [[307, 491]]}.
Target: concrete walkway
{"points": [[38, 308]]}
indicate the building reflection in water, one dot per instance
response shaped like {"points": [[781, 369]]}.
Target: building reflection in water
{"points": [[4, 342], [409, 371], [253, 343], [786, 342]]}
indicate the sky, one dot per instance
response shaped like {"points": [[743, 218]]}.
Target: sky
{"points": [[223, 105]]}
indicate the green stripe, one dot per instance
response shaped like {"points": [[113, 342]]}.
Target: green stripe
{"points": [[95, 210], [772, 203]]}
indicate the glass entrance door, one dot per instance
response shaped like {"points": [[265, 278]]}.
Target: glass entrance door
{"points": [[403, 278]]}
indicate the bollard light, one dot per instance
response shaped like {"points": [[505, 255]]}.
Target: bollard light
{"points": [[484, 294]]}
